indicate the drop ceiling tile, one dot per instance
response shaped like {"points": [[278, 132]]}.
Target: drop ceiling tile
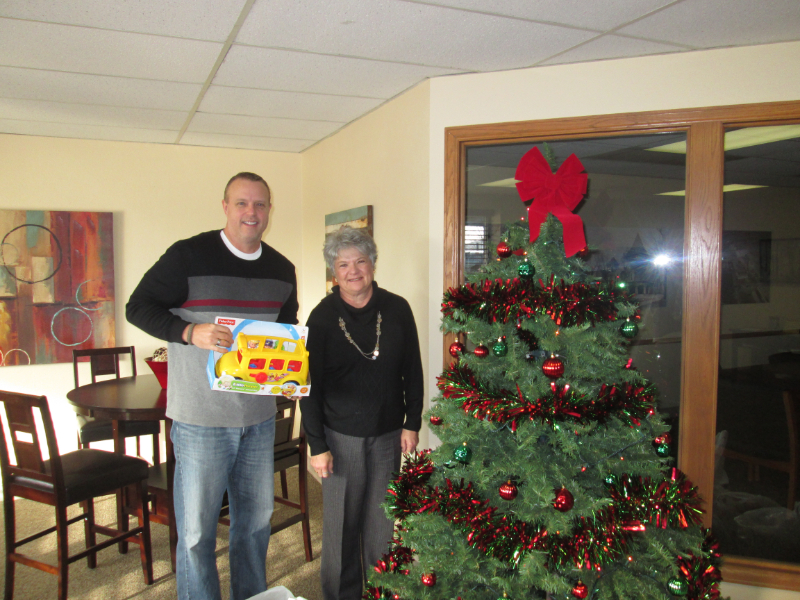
{"points": [[86, 132], [262, 126], [600, 16], [714, 23], [406, 32], [196, 19], [60, 112], [247, 142], [292, 105], [87, 50], [247, 66], [612, 46], [35, 84]]}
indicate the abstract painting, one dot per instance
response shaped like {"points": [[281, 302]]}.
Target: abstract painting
{"points": [[746, 266], [56, 284], [357, 218]]}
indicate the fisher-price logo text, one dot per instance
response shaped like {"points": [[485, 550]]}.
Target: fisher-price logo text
{"points": [[226, 321]]}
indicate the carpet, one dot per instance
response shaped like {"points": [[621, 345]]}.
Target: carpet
{"points": [[119, 576]]}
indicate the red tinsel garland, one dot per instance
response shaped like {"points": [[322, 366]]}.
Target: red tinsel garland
{"points": [[703, 575], [671, 502], [593, 542], [567, 304], [627, 402]]}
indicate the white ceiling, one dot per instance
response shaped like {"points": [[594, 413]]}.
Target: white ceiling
{"points": [[284, 74]]}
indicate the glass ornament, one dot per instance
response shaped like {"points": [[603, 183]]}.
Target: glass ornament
{"points": [[462, 454], [553, 367]]}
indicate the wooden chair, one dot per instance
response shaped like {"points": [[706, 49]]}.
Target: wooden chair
{"points": [[763, 425], [289, 452], [105, 361], [61, 481]]}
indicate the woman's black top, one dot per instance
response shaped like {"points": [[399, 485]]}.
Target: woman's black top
{"points": [[354, 395]]}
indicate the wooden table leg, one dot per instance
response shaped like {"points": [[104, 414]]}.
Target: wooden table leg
{"points": [[122, 516]]}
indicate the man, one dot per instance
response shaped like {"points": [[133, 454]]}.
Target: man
{"points": [[221, 440]]}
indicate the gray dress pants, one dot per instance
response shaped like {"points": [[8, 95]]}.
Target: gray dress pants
{"points": [[355, 529]]}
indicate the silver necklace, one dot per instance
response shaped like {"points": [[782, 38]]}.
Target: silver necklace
{"points": [[374, 354]]}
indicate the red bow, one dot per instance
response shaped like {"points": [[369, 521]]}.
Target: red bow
{"points": [[557, 193]]}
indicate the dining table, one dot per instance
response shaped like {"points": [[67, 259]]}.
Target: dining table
{"points": [[137, 398]]}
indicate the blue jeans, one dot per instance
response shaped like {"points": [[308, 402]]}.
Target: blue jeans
{"points": [[209, 460]]}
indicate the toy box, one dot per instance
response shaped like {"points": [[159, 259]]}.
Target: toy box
{"points": [[268, 359]]}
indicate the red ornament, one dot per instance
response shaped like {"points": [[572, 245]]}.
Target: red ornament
{"points": [[436, 420], [428, 579], [503, 250], [564, 500], [665, 438], [557, 193], [456, 348], [581, 590], [481, 351], [509, 490], [553, 367]]}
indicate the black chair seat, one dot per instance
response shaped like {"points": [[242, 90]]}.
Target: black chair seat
{"points": [[98, 430], [91, 473]]}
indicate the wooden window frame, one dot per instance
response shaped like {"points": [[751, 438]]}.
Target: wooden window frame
{"points": [[705, 129]]}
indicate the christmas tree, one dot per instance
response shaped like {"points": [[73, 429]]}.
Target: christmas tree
{"points": [[553, 477]]}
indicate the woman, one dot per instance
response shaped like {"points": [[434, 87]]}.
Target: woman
{"points": [[364, 410]]}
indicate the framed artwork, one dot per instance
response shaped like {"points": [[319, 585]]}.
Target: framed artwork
{"points": [[357, 218], [746, 266], [56, 285]]}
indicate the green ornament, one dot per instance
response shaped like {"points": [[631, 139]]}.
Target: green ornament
{"points": [[629, 329], [678, 586], [610, 479], [462, 454], [526, 270], [500, 348], [662, 450]]}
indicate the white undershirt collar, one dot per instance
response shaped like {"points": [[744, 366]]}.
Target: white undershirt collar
{"points": [[252, 256]]}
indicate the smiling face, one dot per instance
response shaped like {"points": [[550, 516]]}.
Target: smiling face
{"points": [[354, 272], [246, 205]]}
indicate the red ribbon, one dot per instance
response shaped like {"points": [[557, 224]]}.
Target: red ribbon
{"points": [[557, 193]]}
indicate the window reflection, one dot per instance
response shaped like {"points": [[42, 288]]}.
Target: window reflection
{"points": [[755, 498]]}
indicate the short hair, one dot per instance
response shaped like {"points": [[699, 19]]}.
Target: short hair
{"points": [[347, 237], [249, 177]]}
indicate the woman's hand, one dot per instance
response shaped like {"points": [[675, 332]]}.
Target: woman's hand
{"points": [[408, 441], [322, 464]]}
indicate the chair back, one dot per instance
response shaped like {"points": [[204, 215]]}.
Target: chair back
{"points": [[103, 361], [284, 425], [20, 410]]}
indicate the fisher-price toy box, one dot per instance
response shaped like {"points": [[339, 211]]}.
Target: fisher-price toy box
{"points": [[268, 359]]}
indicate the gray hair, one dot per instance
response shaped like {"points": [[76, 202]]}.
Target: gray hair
{"points": [[347, 237]]}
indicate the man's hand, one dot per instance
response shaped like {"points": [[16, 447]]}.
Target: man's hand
{"points": [[210, 336], [322, 464], [409, 440]]}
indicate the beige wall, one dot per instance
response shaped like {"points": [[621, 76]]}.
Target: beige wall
{"points": [[382, 160], [710, 78], [158, 194]]}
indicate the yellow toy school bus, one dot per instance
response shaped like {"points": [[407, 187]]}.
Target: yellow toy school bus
{"points": [[266, 359]]}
